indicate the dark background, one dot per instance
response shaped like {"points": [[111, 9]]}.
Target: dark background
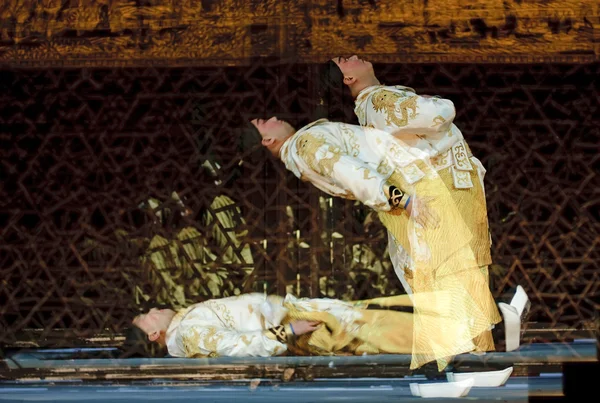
{"points": [[80, 149]]}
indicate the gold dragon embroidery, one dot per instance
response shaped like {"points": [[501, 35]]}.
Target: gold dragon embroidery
{"points": [[307, 147], [389, 103], [194, 341]]}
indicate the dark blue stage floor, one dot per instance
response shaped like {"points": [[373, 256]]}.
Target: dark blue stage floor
{"points": [[71, 375], [518, 389]]}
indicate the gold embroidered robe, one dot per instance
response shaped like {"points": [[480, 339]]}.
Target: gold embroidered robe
{"points": [[356, 163], [231, 327], [336, 158], [427, 124], [237, 327]]}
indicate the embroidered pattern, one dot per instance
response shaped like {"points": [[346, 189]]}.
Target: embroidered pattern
{"points": [[462, 179], [384, 167], [366, 176], [461, 157], [245, 339], [442, 161], [389, 103], [360, 114], [307, 147], [196, 343], [400, 155], [412, 173], [438, 120], [354, 148], [222, 313]]}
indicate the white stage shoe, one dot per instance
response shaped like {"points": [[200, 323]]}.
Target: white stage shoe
{"points": [[486, 379], [442, 389], [513, 314]]}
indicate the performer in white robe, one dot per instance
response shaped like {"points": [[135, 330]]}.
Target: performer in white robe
{"points": [[426, 123], [415, 206], [252, 325]]}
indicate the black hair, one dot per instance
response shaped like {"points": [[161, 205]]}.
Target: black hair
{"points": [[331, 82], [250, 148], [249, 138], [136, 343], [334, 98]]}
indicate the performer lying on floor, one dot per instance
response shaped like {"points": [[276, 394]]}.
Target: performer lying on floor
{"points": [[252, 325]]}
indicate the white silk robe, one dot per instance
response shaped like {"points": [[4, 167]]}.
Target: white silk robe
{"points": [[423, 122], [237, 326], [355, 163]]}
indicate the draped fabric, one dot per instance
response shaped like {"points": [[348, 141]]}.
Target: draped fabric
{"points": [[358, 163], [440, 259]]}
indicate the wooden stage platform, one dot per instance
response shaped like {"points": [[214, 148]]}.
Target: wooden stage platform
{"points": [[90, 374]]}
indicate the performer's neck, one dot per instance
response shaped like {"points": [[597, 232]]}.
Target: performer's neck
{"points": [[276, 150], [358, 86]]}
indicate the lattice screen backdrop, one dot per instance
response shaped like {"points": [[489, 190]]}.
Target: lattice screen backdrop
{"points": [[125, 185]]}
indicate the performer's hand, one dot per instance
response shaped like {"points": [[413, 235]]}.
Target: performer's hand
{"points": [[304, 326], [425, 216]]}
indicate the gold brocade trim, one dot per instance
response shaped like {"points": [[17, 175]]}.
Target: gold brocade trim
{"points": [[412, 173], [460, 169], [462, 179], [399, 154], [384, 168]]}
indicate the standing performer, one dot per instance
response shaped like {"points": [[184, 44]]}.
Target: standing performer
{"points": [[426, 123], [417, 209], [423, 122]]}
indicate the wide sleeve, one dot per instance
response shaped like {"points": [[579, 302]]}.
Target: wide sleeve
{"points": [[203, 341], [358, 179], [403, 111]]}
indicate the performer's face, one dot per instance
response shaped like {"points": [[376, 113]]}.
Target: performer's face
{"points": [[273, 128], [154, 323], [353, 68]]}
